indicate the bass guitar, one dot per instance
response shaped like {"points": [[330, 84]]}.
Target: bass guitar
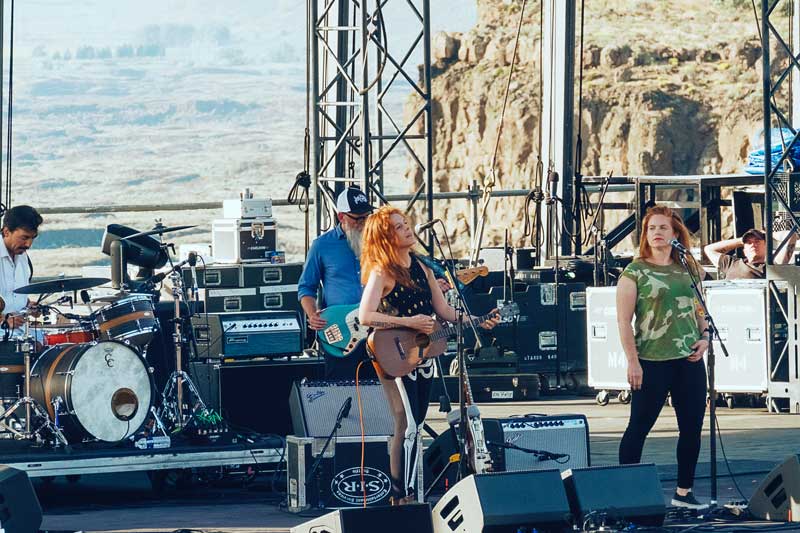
{"points": [[343, 333], [400, 350]]}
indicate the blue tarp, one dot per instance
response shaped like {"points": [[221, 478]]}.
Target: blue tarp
{"points": [[755, 160]]}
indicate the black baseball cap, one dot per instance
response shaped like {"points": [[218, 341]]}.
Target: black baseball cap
{"points": [[753, 234], [353, 200]]}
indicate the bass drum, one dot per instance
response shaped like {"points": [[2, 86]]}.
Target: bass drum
{"points": [[105, 389]]}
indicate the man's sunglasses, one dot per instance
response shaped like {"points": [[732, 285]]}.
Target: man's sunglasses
{"points": [[361, 218]]}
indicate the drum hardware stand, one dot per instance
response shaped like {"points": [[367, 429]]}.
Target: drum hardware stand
{"points": [[26, 347], [178, 378], [159, 423]]}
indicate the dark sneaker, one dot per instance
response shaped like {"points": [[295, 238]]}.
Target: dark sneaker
{"points": [[688, 502]]}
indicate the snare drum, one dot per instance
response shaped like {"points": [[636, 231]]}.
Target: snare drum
{"points": [[131, 319], [69, 336], [105, 389]]}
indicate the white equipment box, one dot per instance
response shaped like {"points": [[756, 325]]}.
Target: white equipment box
{"points": [[607, 367], [247, 208], [739, 310], [243, 240]]}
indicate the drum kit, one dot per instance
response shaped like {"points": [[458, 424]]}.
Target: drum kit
{"points": [[87, 378]]}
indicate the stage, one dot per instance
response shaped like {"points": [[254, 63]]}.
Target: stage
{"points": [[754, 441]]}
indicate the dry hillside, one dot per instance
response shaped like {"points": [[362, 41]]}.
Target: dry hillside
{"points": [[669, 88]]}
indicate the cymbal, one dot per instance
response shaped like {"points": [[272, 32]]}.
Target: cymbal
{"points": [[61, 285], [157, 231]]}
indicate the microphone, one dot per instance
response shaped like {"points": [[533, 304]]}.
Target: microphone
{"points": [[192, 263], [552, 179], [419, 228], [86, 299], [161, 275], [547, 456], [345, 410], [675, 243]]}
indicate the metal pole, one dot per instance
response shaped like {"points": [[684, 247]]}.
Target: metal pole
{"points": [[767, 90], [557, 113], [315, 133], [795, 50], [426, 29], [366, 142], [342, 53]]}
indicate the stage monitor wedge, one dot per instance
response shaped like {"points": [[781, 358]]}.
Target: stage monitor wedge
{"points": [[778, 496], [503, 502], [19, 508], [414, 518], [621, 494]]}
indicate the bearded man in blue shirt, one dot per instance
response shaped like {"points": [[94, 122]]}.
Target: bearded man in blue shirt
{"points": [[333, 264]]}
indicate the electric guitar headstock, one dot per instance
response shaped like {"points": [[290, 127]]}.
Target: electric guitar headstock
{"points": [[468, 275]]}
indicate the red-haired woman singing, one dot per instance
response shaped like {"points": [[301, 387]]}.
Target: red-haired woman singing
{"points": [[401, 292]]}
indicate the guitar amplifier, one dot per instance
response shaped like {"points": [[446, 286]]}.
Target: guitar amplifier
{"points": [[561, 435], [247, 335], [315, 404]]}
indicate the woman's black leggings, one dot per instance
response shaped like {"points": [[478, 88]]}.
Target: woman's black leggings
{"points": [[686, 382]]}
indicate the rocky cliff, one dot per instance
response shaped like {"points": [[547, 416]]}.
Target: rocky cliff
{"points": [[668, 88]]}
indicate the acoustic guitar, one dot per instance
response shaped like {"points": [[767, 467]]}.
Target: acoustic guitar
{"points": [[398, 351]]}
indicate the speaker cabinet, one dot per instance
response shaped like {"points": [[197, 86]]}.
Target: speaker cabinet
{"points": [[315, 404], [255, 395], [19, 508], [503, 502], [778, 496], [205, 376], [625, 493], [396, 519], [566, 437]]}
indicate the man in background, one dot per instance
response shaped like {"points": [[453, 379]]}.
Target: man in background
{"points": [[754, 246]]}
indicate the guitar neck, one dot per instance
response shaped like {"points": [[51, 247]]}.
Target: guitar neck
{"points": [[467, 387], [450, 330]]}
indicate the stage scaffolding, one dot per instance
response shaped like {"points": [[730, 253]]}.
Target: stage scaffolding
{"points": [[354, 63], [781, 192]]}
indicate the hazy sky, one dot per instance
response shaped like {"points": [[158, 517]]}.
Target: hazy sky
{"points": [[67, 23]]}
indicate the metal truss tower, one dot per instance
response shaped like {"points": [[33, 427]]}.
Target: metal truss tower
{"points": [[781, 200], [355, 63], [781, 181]]}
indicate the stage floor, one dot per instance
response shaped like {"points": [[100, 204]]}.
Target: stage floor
{"points": [[753, 439]]}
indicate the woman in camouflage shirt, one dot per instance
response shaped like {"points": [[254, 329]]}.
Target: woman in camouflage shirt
{"points": [[665, 347]]}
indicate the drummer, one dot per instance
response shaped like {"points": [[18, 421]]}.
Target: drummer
{"points": [[20, 228]]}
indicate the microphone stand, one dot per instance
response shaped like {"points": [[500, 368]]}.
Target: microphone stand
{"points": [[336, 427], [542, 455], [463, 308], [712, 393]]}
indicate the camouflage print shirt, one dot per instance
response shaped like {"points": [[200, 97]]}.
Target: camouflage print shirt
{"points": [[666, 324]]}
